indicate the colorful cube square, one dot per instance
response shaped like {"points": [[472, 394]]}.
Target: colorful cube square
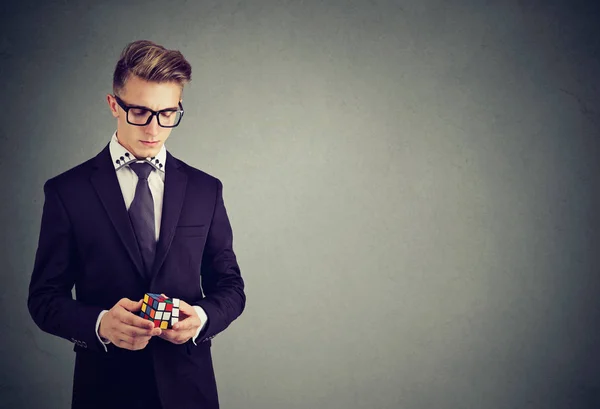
{"points": [[162, 311]]}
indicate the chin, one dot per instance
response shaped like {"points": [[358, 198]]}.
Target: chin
{"points": [[147, 151]]}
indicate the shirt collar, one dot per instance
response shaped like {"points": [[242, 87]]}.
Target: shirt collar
{"points": [[122, 157]]}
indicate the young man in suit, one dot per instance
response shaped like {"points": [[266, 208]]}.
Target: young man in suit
{"points": [[135, 220]]}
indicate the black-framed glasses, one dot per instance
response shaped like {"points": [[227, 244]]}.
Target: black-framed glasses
{"points": [[142, 116]]}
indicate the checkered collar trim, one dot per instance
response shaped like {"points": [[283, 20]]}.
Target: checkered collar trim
{"points": [[122, 157]]}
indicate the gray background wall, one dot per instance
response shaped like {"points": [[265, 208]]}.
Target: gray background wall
{"points": [[412, 186]]}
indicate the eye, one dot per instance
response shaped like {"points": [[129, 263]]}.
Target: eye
{"points": [[167, 114], [139, 111]]}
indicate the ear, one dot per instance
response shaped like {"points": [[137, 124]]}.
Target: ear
{"points": [[112, 105]]}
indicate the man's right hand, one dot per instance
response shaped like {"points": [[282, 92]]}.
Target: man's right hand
{"points": [[125, 329]]}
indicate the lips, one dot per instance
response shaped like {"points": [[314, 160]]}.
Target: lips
{"points": [[149, 143]]}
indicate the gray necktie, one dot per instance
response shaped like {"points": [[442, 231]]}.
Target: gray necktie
{"points": [[141, 213]]}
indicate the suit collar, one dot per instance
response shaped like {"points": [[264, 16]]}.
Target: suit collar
{"points": [[173, 198], [104, 180]]}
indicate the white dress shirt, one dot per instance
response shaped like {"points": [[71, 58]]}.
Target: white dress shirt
{"points": [[121, 157]]}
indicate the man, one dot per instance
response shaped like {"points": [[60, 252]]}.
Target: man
{"points": [[135, 220]]}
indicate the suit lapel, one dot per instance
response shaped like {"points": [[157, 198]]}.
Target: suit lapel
{"points": [[175, 186], [104, 179]]}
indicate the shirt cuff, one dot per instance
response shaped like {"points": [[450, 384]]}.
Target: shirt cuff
{"points": [[203, 318], [102, 340]]}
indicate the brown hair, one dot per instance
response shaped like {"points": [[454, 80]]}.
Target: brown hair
{"points": [[151, 62]]}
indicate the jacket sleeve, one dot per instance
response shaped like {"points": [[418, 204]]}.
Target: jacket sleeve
{"points": [[50, 301], [222, 284]]}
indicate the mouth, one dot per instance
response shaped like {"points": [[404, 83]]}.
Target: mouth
{"points": [[150, 143]]}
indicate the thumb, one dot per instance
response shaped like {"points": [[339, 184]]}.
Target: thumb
{"points": [[130, 305]]}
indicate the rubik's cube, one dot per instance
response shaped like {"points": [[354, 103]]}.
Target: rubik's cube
{"points": [[163, 311]]}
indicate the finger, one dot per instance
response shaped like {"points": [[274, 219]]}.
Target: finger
{"points": [[186, 308], [176, 339], [168, 332], [124, 344], [130, 305], [187, 324], [135, 332], [132, 342], [173, 335], [135, 340], [141, 340], [139, 345], [129, 318], [122, 337], [168, 335]]}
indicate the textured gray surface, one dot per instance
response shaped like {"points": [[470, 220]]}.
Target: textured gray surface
{"points": [[412, 186]]}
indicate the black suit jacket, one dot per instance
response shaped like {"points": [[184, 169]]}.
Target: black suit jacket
{"points": [[86, 240]]}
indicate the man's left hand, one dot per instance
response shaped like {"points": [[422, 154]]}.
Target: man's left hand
{"points": [[186, 328]]}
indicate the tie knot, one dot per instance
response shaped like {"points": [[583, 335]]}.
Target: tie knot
{"points": [[142, 170]]}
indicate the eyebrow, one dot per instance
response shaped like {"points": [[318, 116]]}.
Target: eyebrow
{"points": [[158, 110], [143, 107]]}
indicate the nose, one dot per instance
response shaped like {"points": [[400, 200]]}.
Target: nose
{"points": [[153, 127]]}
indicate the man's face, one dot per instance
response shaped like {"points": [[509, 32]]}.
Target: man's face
{"points": [[144, 141]]}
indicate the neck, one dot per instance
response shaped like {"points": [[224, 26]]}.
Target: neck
{"points": [[128, 150]]}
